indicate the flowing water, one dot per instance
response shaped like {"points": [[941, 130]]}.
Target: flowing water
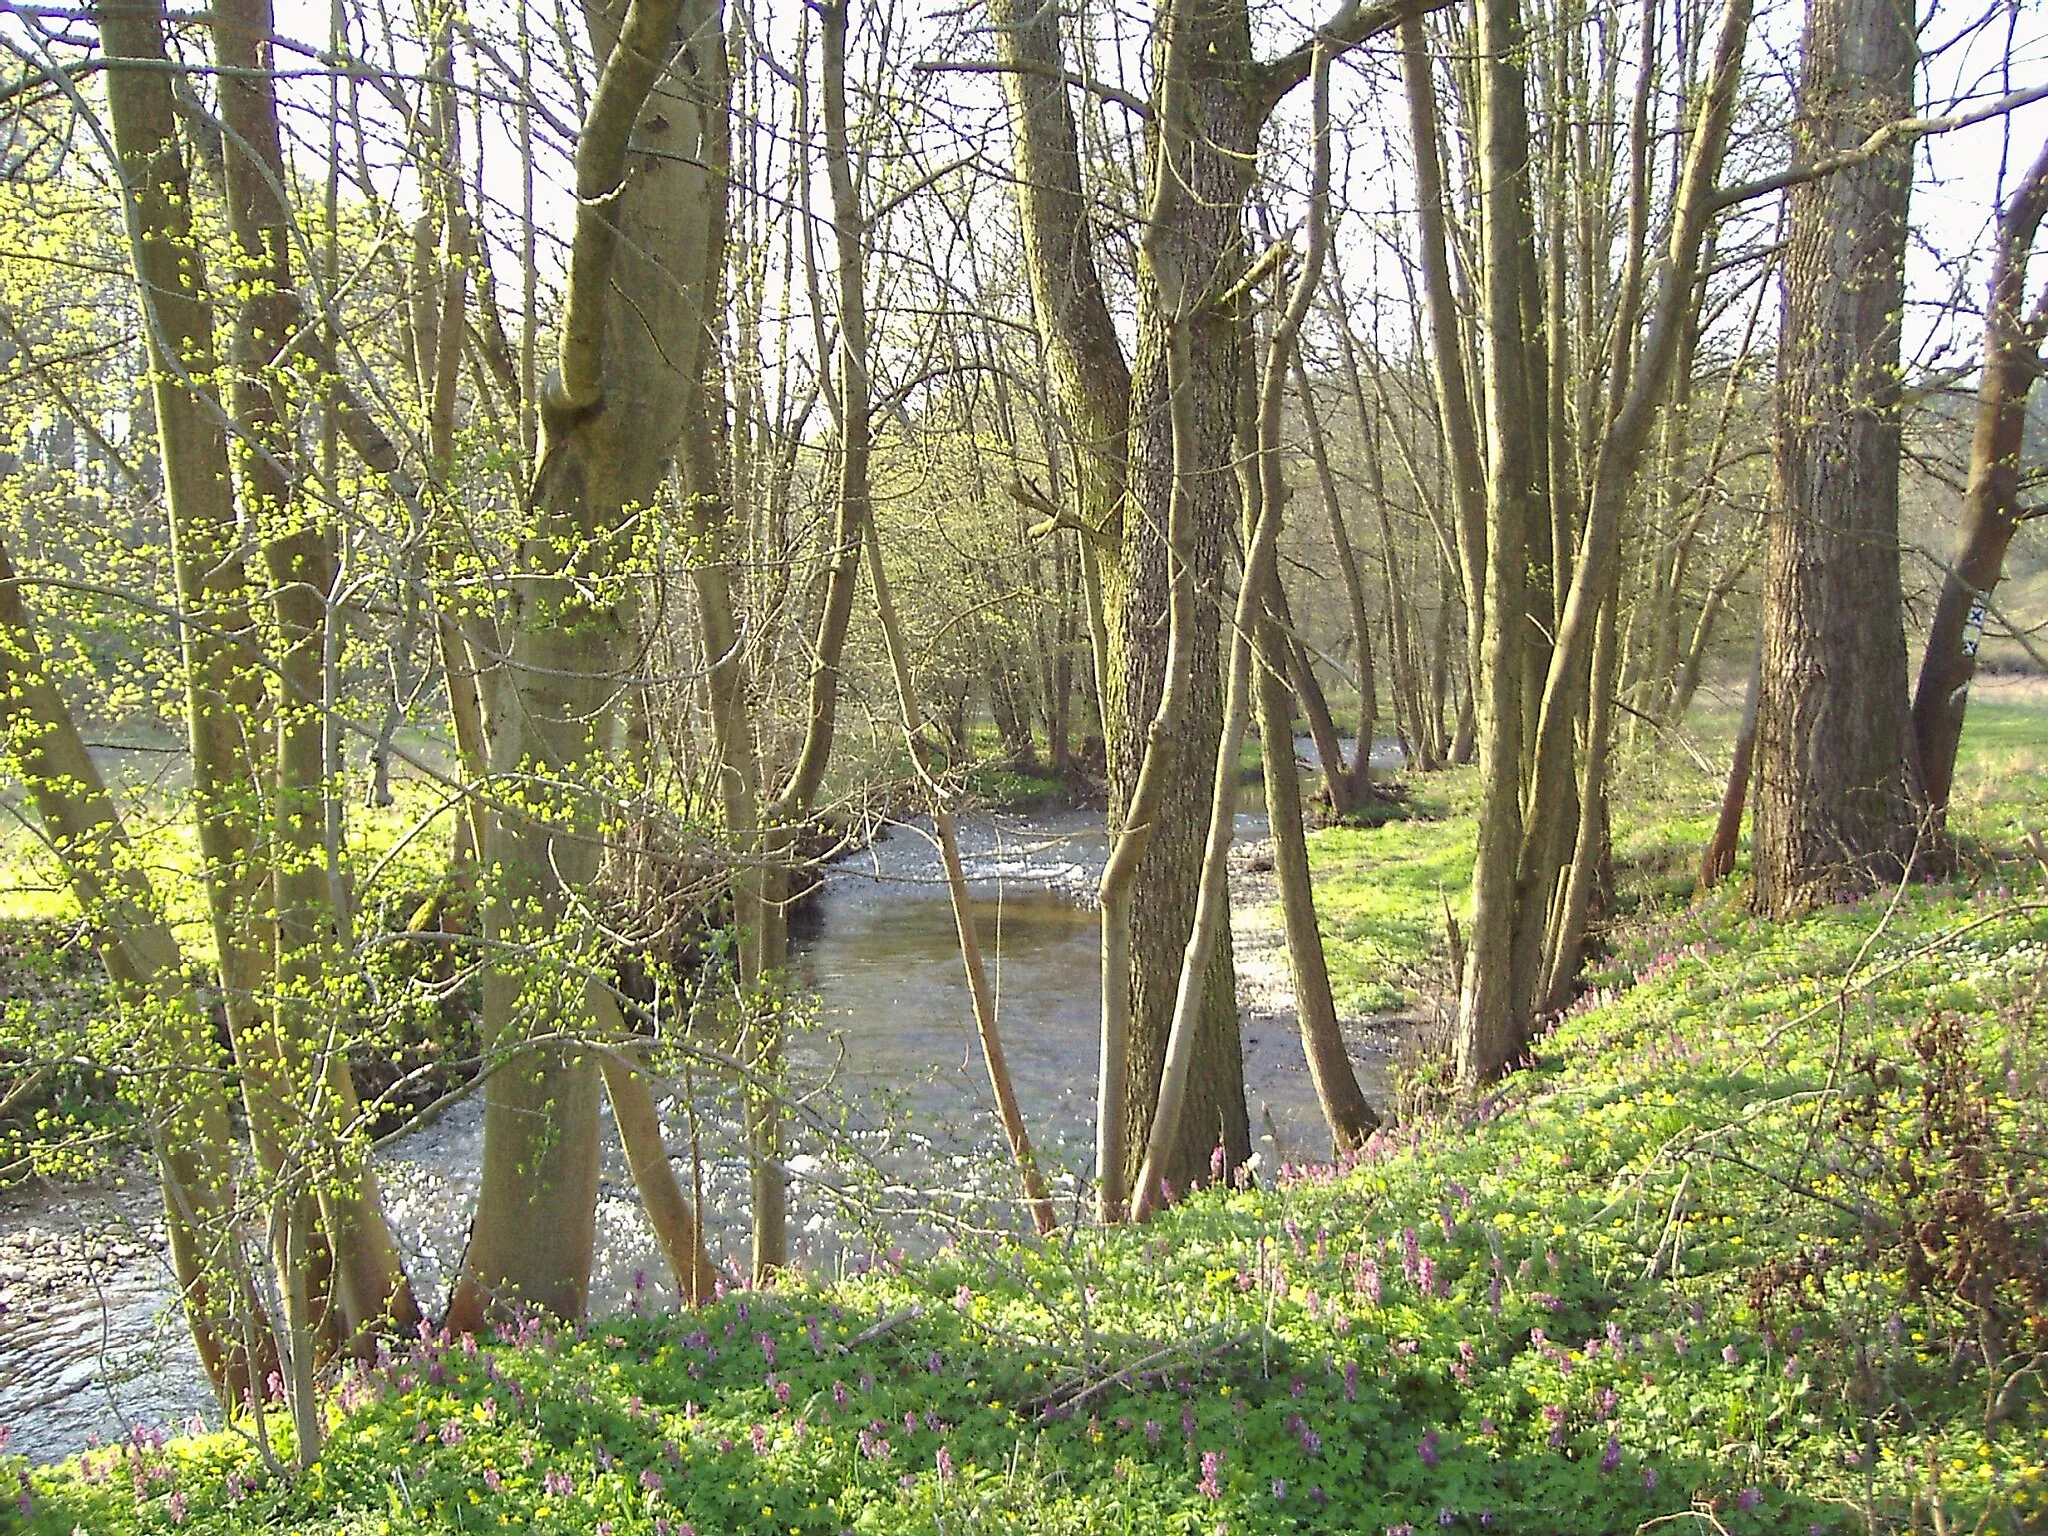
{"points": [[91, 1342]]}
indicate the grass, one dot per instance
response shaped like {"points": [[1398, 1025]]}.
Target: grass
{"points": [[1756, 1245], [1383, 893]]}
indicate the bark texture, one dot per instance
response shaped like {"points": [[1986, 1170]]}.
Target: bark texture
{"points": [[1835, 801]]}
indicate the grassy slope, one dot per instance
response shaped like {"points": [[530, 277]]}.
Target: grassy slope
{"points": [[1652, 1275]]}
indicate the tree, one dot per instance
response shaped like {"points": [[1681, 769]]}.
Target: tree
{"points": [[644, 266], [1991, 512], [1836, 801]]}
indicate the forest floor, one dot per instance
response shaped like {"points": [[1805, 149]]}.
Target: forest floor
{"points": [[1755, 1244]]}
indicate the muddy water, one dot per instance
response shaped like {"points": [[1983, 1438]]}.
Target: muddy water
{"points": [[898, 1103]]}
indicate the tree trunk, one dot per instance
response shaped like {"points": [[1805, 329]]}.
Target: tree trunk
{"points": [[298, 553], [189, 1122], [643, 266], [1835, 799], [1350, 1117], [1512, 922], [1991, 504], [1345, 787], [1717, 863], [1491, 1023]]}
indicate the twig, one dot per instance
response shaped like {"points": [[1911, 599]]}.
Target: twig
{"points": [[888, 1324]]}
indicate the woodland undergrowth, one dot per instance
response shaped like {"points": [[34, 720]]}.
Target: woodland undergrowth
{"points": [[1758, 1242]]}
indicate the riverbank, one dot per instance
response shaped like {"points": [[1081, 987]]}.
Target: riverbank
{"points": [[900, 1143], [1646, 1279], [1652, 1275]]}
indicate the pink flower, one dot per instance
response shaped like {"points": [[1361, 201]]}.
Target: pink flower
{"points": [[1210, 1488], [492, 1480], [178, 1508]]}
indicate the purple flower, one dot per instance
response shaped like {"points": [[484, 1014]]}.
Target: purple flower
{"points": [[945, 1464], [1749, 1498], [650, 1480], [1211, 1489], [1611, 1457], [559, 1485], [1187, 1420], [1649, 1479], [767, 1344], [839, 1393], [1426, 1448], [492, 1480], [1279, 1488], [1152, 1431], [1447, 1517], [1350, 1381], [1311, 1442]]}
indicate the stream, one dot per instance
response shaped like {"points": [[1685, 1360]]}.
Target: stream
{"points": [[895, 1102]]}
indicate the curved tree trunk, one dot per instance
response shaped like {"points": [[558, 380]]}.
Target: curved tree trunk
{"points": [[644, 263], [1350, 1117], [1991, 504]]}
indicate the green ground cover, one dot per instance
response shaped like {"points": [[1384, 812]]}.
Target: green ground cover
{"points": [[1756, 1245]]}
